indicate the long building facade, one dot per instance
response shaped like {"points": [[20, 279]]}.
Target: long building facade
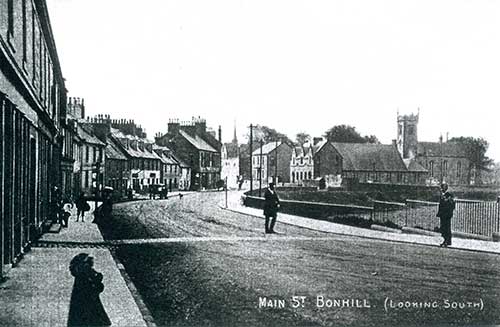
{"points": [[32, 103]]}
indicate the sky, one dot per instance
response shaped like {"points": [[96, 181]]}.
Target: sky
{"points": [[295, 66]]}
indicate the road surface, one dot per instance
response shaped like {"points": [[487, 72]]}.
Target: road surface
{"points": [[298, 277]]}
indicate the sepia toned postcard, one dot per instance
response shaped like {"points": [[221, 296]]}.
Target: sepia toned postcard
{"points": [[249, 163]]}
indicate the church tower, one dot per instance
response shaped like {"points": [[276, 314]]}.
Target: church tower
{"points": [[407, 140]]}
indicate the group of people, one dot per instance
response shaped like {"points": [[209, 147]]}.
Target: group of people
{"points": [[61, 207]]}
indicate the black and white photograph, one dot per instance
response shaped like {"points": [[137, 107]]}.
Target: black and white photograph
{"points": [[249, 163]]}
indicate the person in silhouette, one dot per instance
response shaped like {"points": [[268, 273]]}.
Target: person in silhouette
{"points": [[271, 206], [445, 213], [85, 307], [81, 206]]}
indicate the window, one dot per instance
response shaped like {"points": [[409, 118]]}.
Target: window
{"points": [[459, 169], [445, 167], [431, 168], [87, 158]]}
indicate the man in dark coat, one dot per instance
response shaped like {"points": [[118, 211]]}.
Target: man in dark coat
{"points": [[271, 205], [445, 213]]}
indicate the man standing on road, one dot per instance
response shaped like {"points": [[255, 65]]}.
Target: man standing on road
{"points": [[445, 213], [271, 205]]}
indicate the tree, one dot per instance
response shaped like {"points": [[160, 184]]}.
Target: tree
{"points": [[371, 139], [267, 134], [302, 138], [475, 148], [348, 134]]}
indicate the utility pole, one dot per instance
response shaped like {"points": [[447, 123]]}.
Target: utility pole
{"points": [[441, 158], [251, 158], [260, 169], [276, 164], [225, 187]]}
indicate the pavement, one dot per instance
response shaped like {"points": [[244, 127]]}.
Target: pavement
{"points": [[235, 204], [37, 291]]}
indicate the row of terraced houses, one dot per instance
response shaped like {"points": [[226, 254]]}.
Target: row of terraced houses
{"points": [[49, 147]]}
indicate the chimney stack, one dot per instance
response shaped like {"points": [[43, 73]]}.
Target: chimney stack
{"points": [[316, 140]]}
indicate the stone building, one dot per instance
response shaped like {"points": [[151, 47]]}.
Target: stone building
{"points": [[302, 163], [230, 168], [92, 162], [375, 163], [444, 161], [272, 160], [194, 145], [32, 115], [171, 172], [117, 168], [143, 167]]}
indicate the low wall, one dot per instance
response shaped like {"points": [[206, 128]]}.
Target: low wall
{"points": [[316, 210]]}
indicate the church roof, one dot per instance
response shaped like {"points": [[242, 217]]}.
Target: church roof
{"points": [[437, 149]]}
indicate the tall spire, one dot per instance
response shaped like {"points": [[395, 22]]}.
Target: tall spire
{"points": [[235, 139]]}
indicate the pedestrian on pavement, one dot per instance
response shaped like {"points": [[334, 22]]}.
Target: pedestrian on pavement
{"points": [[81, 206], [55, 205], [66, 212], [86, 308], [271, 206], [445, 213]]}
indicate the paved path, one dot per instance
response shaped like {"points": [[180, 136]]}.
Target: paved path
{"points": [[38, 290], [234, 204]]}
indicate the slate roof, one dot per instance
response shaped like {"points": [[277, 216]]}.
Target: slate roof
{"points": [[165, 158], [413, 166], [299, 151], [88, 137], [433, 149], [370, 157], [197, 142], [145, 154], [266, 148], [113, 151], [302, 150], [180, 161], [319, 146]]}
